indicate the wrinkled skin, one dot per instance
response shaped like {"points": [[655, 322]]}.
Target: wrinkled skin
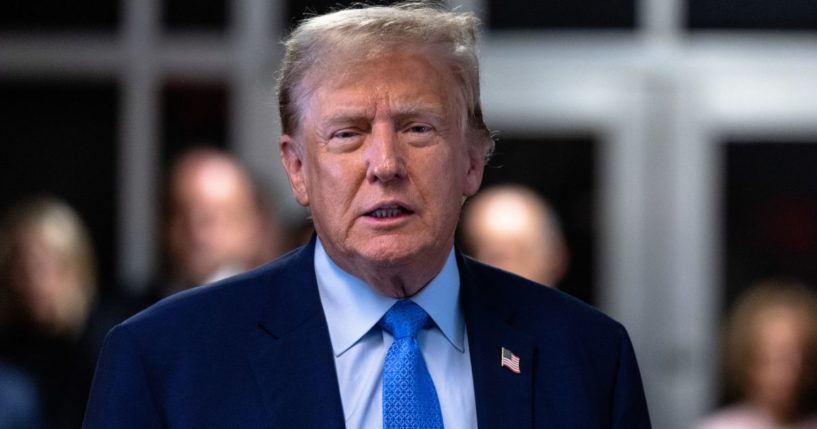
{"points": [[382, 159]]}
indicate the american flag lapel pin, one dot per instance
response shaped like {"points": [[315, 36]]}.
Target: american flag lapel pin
{"points": [[509, 360]]}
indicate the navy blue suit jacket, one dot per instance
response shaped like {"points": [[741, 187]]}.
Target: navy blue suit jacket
{"points": [[253, 351]]}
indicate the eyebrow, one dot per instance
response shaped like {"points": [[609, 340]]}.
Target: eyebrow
{"points": [[400, 112], [343, 116], [419, 107]]}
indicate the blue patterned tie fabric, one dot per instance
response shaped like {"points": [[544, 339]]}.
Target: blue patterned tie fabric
{"points": [[409, 398]]}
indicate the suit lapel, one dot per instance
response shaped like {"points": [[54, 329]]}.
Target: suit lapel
{"points": [[292, 358], [293, 353], [503, 398]]}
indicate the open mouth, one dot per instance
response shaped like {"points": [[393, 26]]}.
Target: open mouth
{"points": [[390, 211]]}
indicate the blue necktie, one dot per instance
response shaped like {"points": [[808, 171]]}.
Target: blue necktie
{"points": [[409, 398]]}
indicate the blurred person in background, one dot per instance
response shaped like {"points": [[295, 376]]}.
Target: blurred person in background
{"points": [[513, 228], [217, 222], [770, 359], [47, 291]]}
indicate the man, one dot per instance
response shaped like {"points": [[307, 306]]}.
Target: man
{"points": [[379, 321], [216, 225], [513, 228]]}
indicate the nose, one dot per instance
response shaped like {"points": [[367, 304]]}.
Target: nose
{"points": [[385, 161]]}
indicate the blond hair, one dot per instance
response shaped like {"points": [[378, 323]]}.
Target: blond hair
{"points": [[59, 226], [371, 30]]}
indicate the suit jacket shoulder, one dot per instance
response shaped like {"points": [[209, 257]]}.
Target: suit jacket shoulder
{"points": [[250, 351], [577, 366]]}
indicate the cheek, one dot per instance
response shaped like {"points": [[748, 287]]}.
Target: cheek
{"points": [[445, 166], [444, 185], [332, 182]]}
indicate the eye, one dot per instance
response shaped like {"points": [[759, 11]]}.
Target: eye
{"points": [[345, 139], [345, 134], [419, 133], [419, 129]]}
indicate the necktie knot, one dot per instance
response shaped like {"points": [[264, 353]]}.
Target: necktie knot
{"points": [[404, 319]]}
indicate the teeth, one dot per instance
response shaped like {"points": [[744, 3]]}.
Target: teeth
{"points": [[387, 212]]}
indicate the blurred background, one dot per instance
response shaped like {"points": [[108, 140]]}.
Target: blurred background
{"points": [[675, 141]]}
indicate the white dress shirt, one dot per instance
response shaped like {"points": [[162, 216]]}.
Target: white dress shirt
{"points": [[352, 311]]}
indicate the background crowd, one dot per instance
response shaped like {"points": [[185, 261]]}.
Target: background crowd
{"points": [[53, 313]]}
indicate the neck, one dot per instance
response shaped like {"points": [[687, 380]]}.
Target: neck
{"points": [[400, 283], [397, 280]]}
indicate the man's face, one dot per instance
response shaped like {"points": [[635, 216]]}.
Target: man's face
{"points": [[382, 160], [213, 224], [508, 230]]}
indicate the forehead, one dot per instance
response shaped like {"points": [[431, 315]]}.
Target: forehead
{"points": [[413, 78]]}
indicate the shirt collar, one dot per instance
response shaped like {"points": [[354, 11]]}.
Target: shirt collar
{"points": [[441, 300], [352, 308]]}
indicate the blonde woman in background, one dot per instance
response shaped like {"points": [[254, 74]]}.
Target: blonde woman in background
{"points": [[770, 359], [47, 291]]}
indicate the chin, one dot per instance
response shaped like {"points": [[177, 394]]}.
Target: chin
{"points": [[392, 250], [390, 256]]}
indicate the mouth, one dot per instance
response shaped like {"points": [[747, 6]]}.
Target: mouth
{"points": [[389, 211]]}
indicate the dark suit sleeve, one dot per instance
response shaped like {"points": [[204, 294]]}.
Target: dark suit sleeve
{"points": [[629, 403], [120, 394]]}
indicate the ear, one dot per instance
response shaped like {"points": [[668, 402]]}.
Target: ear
{"points": [[475, 168], [292, 156]]}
